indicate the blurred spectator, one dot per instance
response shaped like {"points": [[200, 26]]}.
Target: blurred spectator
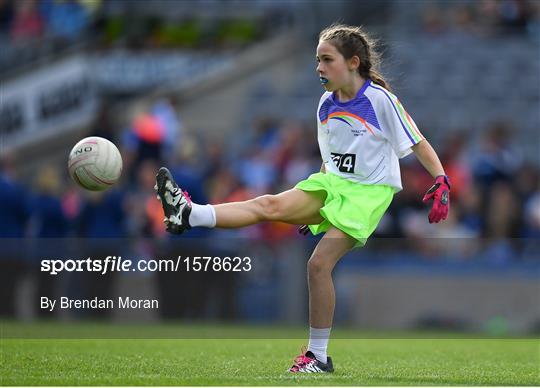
{"points": [[71, 203], [67, 19], [502, 215], [91, 6], [497, 159], [483, 18], [463, 21], [27, 23], [7, 14], [145, 214], [226, 187], [454, 159], [258, 171], [257, 167], [514, 15], [289, 142], [266, 133], [471, 216], [300, 166], [263, 134], [102, 215], [215, 156], [13, 218], [488, 17], [164, 111], [527, 187], [527, 181], [143, 140], [49, 219], [103, 125], [433, 21], [13, 223], [533, 26], [532, 217]]}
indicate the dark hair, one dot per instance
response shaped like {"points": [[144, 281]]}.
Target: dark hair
{"points": [[351, 41]]}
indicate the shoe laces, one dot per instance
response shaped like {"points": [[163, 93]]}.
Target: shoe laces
{"points": [[178, 191], [302, 359], [188, 197]]}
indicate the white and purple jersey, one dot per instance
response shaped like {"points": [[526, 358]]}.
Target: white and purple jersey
{"points": [[363, 139]]}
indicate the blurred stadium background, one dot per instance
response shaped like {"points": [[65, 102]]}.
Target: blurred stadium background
{"points": [[224, 92]]}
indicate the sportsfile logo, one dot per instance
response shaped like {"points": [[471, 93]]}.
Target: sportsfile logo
{"points": [[119, 264]]}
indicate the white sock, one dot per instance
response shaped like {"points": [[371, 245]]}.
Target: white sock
{"points": [[202, 215], [318, 342]]}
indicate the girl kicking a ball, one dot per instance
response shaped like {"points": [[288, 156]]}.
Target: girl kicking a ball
{"points": [[363, 131]]}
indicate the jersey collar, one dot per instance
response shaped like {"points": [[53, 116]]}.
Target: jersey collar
{"points": [[360, 92]]}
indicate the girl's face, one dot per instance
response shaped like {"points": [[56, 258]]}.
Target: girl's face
{"points": [[333, 67]]}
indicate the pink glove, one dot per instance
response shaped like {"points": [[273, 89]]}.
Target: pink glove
{"points": [[440, 192]]}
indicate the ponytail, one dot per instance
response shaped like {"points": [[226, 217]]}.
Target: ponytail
{"points": [[378, 79]]}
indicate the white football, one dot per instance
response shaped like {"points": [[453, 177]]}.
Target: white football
{"points": [[95, 163]]}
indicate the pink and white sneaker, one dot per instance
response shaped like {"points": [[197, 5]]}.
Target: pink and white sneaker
{"points": [[308, 363]]}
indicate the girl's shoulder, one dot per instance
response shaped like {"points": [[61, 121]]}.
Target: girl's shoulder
{"points": [[380, 97], [325, 96]]}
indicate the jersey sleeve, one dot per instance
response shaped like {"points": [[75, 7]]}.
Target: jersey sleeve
{"points": [[400, 129]]}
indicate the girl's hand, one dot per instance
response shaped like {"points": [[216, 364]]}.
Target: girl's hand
{"points": [[440, 192]]}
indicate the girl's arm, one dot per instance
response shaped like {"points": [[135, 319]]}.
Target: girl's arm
{"points": [[440, 191], [428, 157]]}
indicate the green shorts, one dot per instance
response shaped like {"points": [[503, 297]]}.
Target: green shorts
{"points": [[354, 208]]}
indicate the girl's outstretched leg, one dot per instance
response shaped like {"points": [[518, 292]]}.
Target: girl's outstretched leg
{"points": [[292, 206]]}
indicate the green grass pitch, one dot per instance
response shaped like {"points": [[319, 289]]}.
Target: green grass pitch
{"points": [[257, 356]]}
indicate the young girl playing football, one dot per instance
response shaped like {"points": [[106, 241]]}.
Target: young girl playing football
{"points": [[363, 131]]}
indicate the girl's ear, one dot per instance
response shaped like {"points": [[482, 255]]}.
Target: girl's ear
{"points": [[354, 62]]}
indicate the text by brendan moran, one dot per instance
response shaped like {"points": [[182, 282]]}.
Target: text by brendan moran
{"points": [[95, 303]]}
